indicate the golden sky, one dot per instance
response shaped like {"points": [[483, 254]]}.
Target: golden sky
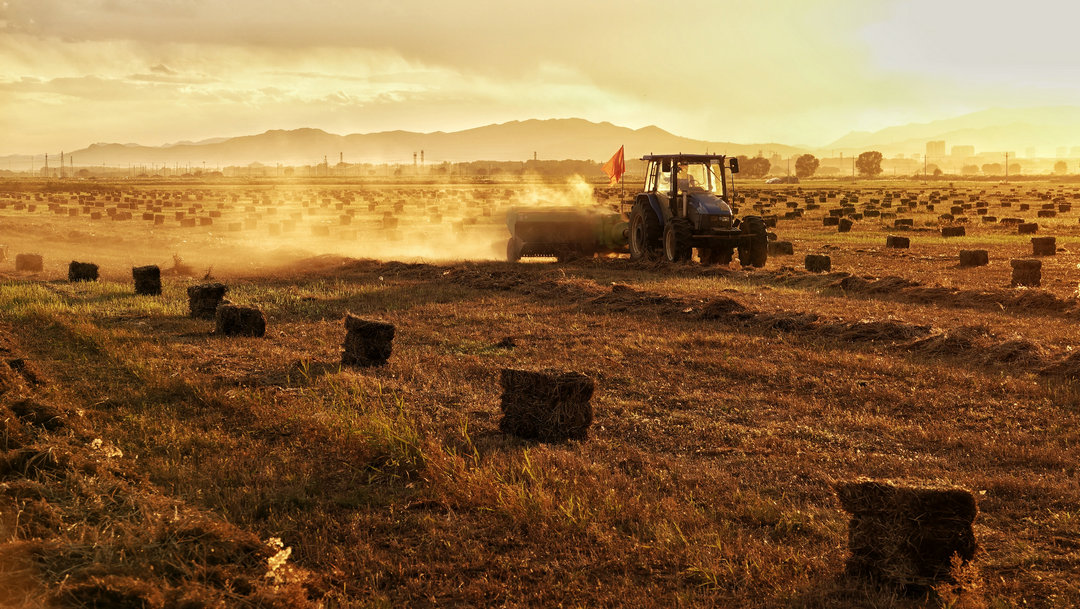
{"points": [[73, 72]]}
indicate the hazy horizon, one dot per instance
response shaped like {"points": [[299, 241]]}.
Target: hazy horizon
{"points": [[164, 71]]}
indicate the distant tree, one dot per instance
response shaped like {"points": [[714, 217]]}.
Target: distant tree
{"points": [[937, 171], [869, 163], [756, 167], [969, 170], [1061, 168], [933, 169], [992, 169], [1014, 169], [806, 166]]}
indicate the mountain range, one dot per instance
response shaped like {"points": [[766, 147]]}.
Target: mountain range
{"points": [[512, 141], [1046, 130]]}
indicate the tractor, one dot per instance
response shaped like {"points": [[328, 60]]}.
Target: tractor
{"points": [[687, 205]]}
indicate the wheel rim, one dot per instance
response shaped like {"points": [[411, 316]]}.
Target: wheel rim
{"points": [[669, 244]]}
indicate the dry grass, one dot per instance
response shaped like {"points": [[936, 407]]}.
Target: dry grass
{"points": [[707, 478]]}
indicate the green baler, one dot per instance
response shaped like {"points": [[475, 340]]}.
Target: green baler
{"points": [[564, 232]]}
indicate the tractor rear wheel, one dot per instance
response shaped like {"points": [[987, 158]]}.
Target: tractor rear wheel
{"points": [[756, 251], [645, 233], [677, 244]]}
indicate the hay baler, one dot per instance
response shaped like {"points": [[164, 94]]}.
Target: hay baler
{"points": [[564, 232]]}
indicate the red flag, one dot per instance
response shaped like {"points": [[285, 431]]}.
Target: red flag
{"points": [[615, 167]]}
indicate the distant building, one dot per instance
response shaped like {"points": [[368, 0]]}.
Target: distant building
{"points": [[935, 149], [963, 151], [1030, 152]]}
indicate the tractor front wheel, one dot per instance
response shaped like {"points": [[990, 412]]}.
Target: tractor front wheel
{"points": [[677, 244], [756, 251]]}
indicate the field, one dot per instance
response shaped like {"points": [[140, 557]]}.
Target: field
{"points": [[147, 461]]}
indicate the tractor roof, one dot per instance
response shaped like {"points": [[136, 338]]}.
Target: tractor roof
{"points": [[689, 158]]}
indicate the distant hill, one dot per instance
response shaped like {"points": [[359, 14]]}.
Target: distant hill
{"points": [[513, 141], [993, 130]]}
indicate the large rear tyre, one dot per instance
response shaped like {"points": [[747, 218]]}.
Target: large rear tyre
{"points": [[755, 251], [677, 244], [645, 233]]}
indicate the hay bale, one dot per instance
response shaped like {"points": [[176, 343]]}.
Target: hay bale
{"points": [[550, 405], [897, 242], [1026, 272], [818, 263], [904, 536], [203, 300], [953, 231], [147, 280], [974, 258], [235, 320], [844, 225], [33, 263], [1043, 246], [367, 343], [830, 221], [780, 248], [1027, 228], [82, 271]]}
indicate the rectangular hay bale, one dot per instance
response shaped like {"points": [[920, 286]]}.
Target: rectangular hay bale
{"points": [[550, 405]]}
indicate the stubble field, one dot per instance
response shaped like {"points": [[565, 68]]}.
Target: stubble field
{"points": [[146, 461]]}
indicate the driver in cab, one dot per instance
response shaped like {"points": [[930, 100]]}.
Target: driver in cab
{"points": [[686, 180]]}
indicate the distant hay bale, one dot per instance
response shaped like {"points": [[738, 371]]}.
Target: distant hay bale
{"points": [[1026, 272], [830, 221], [367, 343], [781, 248], [550, 405], [236, 320], [33, 263], [844, 225], [953, 231], [147, 280], [1043, 246], [82, 271], [818, 263], [1027, 228], [906, 537], [203, 300], [895, 241], [974, 258]]}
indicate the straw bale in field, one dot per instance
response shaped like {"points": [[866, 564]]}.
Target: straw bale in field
{"points": [[905, 536], [1026, 272], [974, 257], [1027, 228], [953, 231], [82, 271], [203, 299], [33, 263], [367, 343], [147, 280], [236, 320], [1043, 246], [897, 242], [818, 263], [549, 405]]}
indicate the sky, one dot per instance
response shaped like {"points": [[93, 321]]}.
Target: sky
{"points": [[75, 72]]}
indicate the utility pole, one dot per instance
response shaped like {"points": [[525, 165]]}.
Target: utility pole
{"points": [[1006, 166]]}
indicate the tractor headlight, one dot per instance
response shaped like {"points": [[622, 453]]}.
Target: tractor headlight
{"points": [[723, 222]]}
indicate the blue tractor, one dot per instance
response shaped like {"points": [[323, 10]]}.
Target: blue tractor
{"points": [[687, 205]]}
